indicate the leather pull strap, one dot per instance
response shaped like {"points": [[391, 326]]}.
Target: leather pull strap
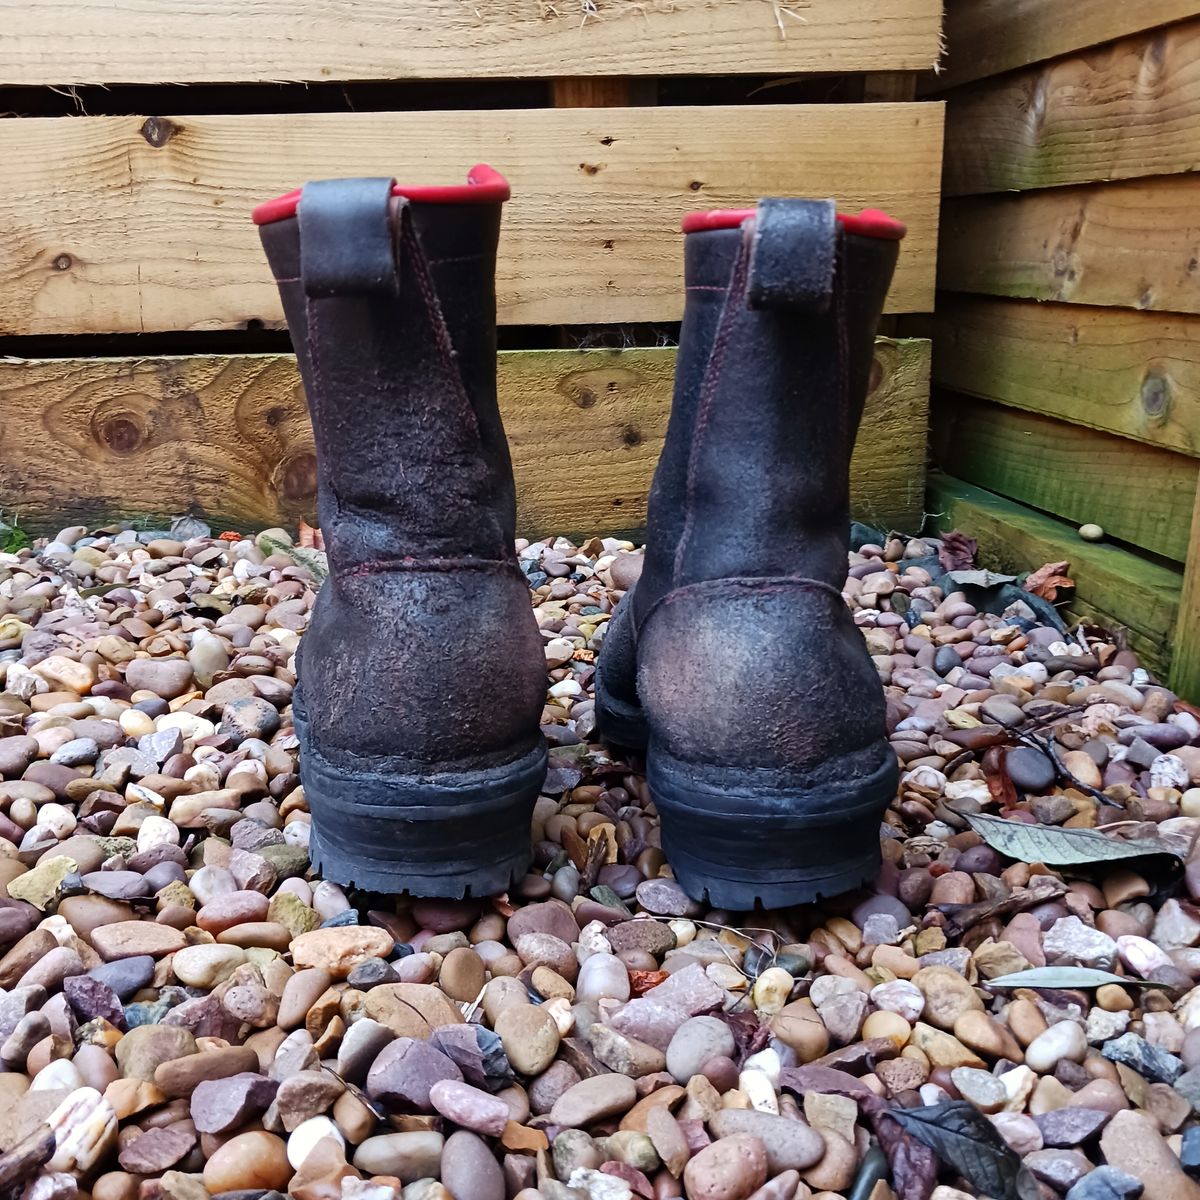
{"points": [[793, 250], [346, 241]]}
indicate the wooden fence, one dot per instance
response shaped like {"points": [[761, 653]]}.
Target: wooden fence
{"points": [[1067, 336], [143, 370]]}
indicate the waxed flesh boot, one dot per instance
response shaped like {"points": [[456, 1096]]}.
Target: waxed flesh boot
{"points": [[734, 661], [421, 677]]}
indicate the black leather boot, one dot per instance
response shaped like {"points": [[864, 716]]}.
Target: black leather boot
{"points": [[421, 675], [734, 660]]}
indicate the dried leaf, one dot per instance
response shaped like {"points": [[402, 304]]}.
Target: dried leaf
{"points": [[914, 1165], [749, 1035], [1049, 580], [961, 917], [995, 773], [957, 551], [963, 1138], [978, 577], [1064, 977], [1063, 847]]}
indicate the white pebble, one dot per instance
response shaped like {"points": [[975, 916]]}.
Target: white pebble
{"points": [[57, 820], [297, 833], [307, 1134], [329, 900], [592, 941], [61, 1073], [157, 831], [1063, 1040], [768, 1062], [1091, 532], [136, 723], [901, 997], [771, 990], [759, 1090], [559, 1010], [684, 931]]}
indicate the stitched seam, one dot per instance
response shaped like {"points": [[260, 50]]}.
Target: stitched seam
{"points": [[437, 262], [716, 360], [704, 287], [380, 566], [297, 279]]}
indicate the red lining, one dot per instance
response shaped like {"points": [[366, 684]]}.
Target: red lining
{"points": [[484, 185], [871, 222]]}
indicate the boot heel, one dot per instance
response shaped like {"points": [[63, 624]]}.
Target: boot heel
{"points": [[387, 827], [618, 722], [740, 836]]}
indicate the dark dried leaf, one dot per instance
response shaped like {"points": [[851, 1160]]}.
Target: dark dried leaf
{"points": [[961, 917], [957, 551], [914, 1165], [995, 773], [749, 1034], [963, 1138]]}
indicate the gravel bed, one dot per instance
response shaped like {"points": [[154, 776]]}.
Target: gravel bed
{"points": [[186, 1011]]}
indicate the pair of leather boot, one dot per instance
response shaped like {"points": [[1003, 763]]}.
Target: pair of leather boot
{"points": [[733, 662]]}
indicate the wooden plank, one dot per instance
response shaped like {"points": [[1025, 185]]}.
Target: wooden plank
{"points": [[1114, 588], [125, 224], [1135, 374], [1139, 494], [1134, 244], [229, 437], [212, 41], [1126, 111], [1185, 660], [985, 37]]}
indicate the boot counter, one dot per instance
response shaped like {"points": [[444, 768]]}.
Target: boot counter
{"points": [[765, 672], [433, 666]]}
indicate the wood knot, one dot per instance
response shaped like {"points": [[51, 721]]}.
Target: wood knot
{"points": [[122, 432], [585, 398], [63, 262], [296, 477], [1156, 395], [158, 131], [631, 436]]}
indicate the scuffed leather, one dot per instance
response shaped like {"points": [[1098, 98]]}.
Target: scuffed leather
{"points": [[422, 645]]}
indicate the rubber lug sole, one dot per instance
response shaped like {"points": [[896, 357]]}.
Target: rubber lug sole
{"points": [[448, 832], [618, 722], [776, 844]]}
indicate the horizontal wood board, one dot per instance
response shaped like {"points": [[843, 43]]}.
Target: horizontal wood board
{"points": [[262, 41], [1133, 245], [1138, 494], [130, 224], [986, 37], [1134, 374], [1128, 110], [1114, 587], [229, 437]]}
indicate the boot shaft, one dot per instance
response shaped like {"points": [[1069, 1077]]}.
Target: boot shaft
{"points": [[390, 301], [774, 363]]}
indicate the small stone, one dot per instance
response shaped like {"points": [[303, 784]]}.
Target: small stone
{"points": [[980, 1088], [405, 1071], [206, 966], [729, 1169], [1069, 941], [156, 1150], [947, 995], [339, 950], [407, 1156], [142, 1050], [1148, 1061], [470, 1169], [1071, 1126], [1030, 770], [221, 1105], [133, 939], [695, 1042], [1132, 1144], [591, 1100], [254, 1160], [1106, 1183], [1066, 1040], [165, 677], [469, 1107], [529, 1036]]}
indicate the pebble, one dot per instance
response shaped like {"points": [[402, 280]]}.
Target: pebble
{"points": [[1066, 1040]]}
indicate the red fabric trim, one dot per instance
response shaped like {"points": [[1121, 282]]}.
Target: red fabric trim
{"points": [[484, 185], [871, 222]]}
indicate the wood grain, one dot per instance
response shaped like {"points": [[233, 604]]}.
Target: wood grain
{"points": [[1114, 587], [229, 438], [1139, 494], [986, 37], [1134, 245], [250, 41], [1126, 111], [1185, 660], [126, 224], [1135, 374]]}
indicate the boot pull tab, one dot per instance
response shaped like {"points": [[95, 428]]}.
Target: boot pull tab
{"points": [[346, 241], [793, 246]]}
